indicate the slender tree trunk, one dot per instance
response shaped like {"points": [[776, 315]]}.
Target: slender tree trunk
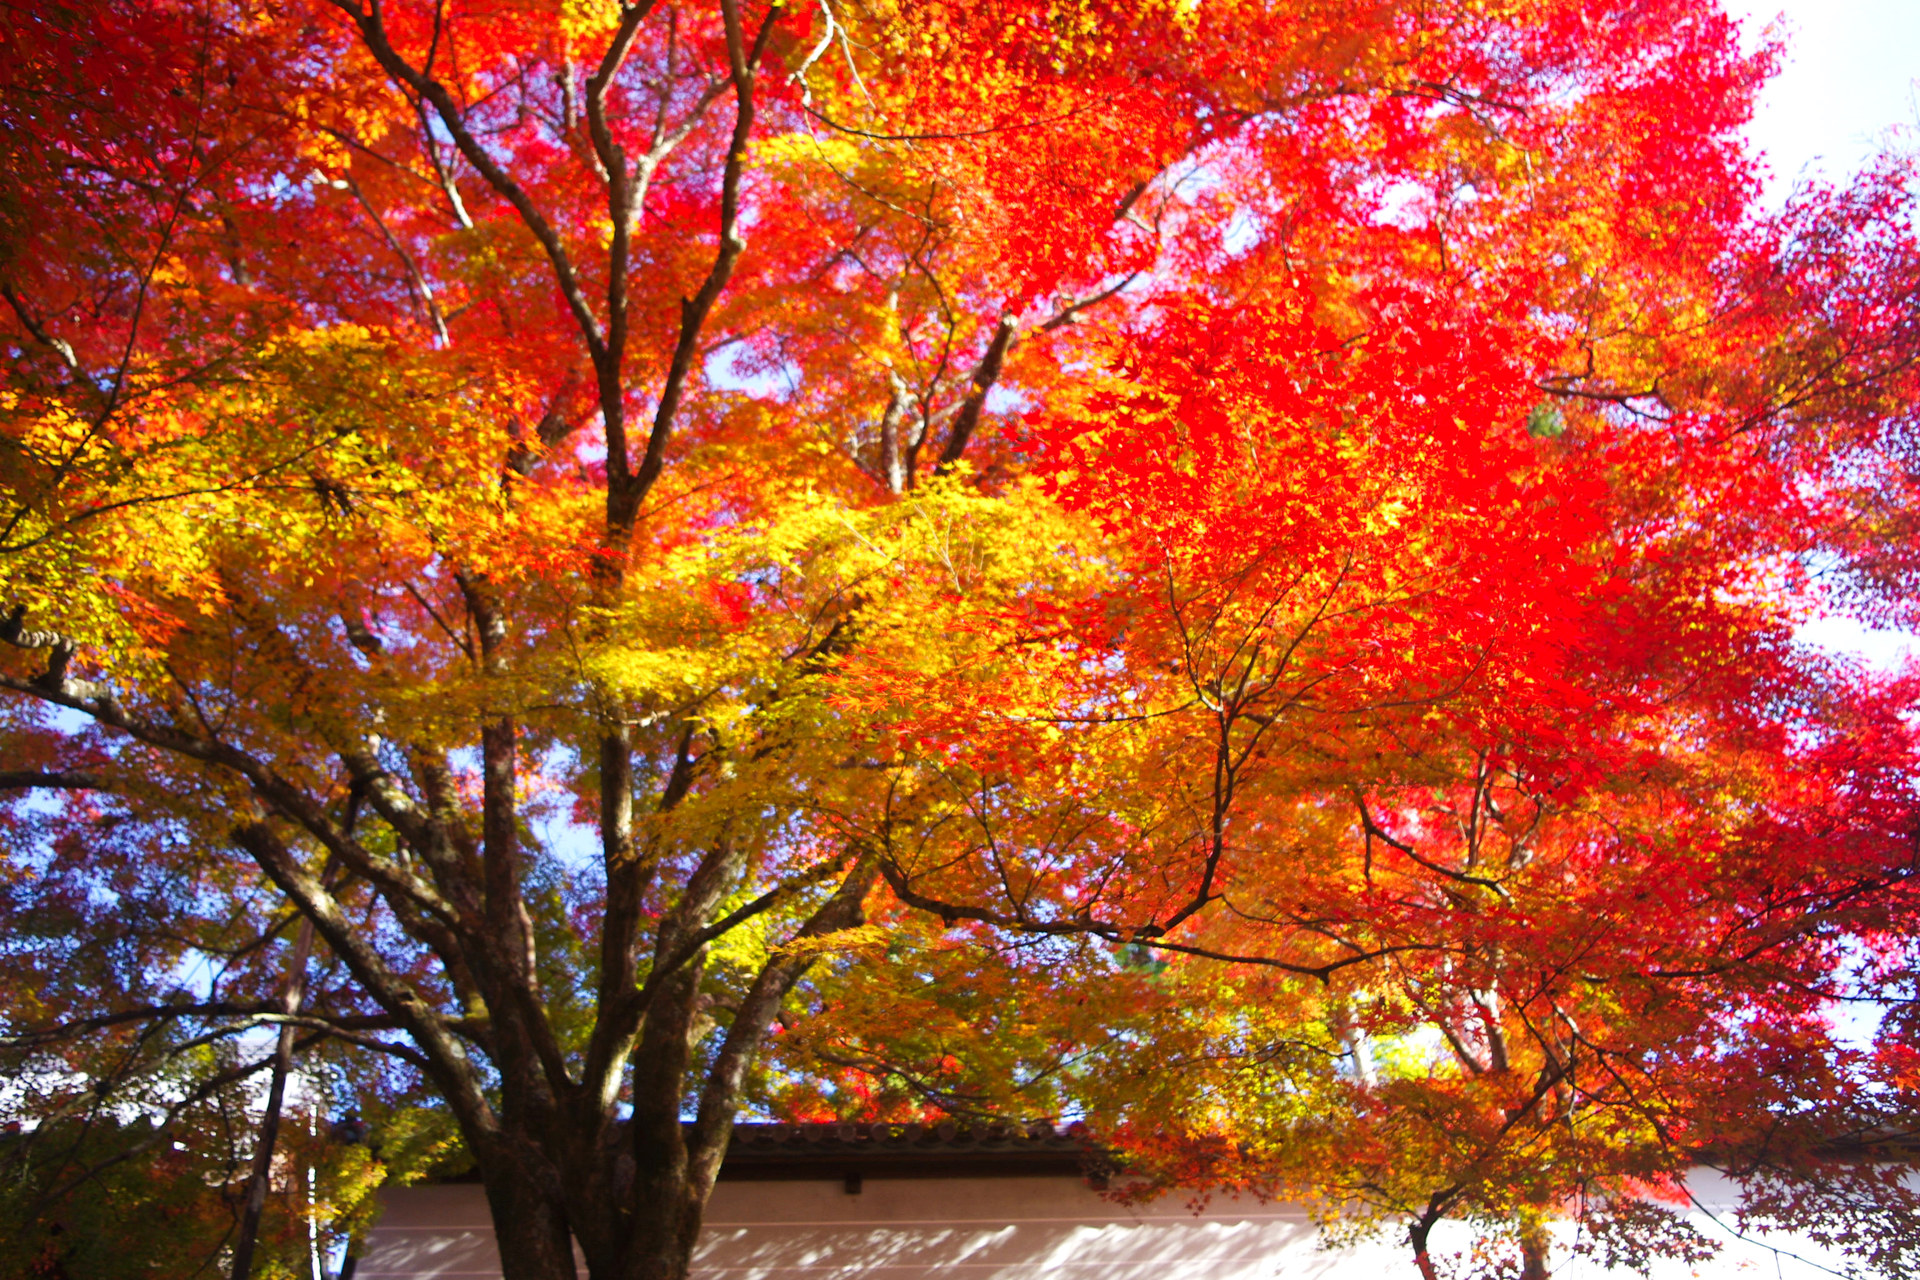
{"points": [[257, 1184], [1417, 1232], [291, 995]]}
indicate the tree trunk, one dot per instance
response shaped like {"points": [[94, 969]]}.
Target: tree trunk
{"points": [[529, 1223], [637, 1224], [667, 1227], [1417, 1233], [262, 1175], [292, 992], [1534, 1247]]}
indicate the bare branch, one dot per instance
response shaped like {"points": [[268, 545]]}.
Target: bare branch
{"points": [[744, 62], [373, 32], [417, 282], [984, 377], [59, 346]]}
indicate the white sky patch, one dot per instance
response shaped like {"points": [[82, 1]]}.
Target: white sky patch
{"points": [[1884, 651], [1847, 80], [1849, 83]]}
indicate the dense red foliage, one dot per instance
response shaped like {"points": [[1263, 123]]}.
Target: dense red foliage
{"points": [[1228, 566]]}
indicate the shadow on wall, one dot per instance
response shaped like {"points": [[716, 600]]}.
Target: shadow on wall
{"points": [[1006, 1228], [1003, 1229], [1155, 1250]]}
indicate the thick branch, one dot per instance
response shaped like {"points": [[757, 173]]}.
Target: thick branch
{"points": [[984, 377], [720, 1098], [52, 780], [447, 1057], [14, 631]]}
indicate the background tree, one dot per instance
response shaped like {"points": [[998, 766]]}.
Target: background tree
{"points": [[598, 507]]}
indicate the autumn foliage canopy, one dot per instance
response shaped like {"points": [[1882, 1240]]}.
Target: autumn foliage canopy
{"points": [[1226, 568]]}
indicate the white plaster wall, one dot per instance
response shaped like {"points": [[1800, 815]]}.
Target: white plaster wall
{"points": [[1005, 1228]]}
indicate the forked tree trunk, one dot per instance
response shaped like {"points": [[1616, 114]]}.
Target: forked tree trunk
{"points": [[635, 1194], [649, 1223]]}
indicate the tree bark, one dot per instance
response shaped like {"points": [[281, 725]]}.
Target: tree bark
{"points": [[1534, 1249], [1418, 1233], [529, 1219], [292, 993], [1421, 1257]]}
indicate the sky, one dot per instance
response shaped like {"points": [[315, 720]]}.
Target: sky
{"points": [[1849, 77]]}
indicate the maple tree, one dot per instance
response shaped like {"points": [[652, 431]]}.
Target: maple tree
{"points": [[872, 557]]}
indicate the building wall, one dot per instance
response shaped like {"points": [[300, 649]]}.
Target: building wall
{"points": [[986, 1228]]}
